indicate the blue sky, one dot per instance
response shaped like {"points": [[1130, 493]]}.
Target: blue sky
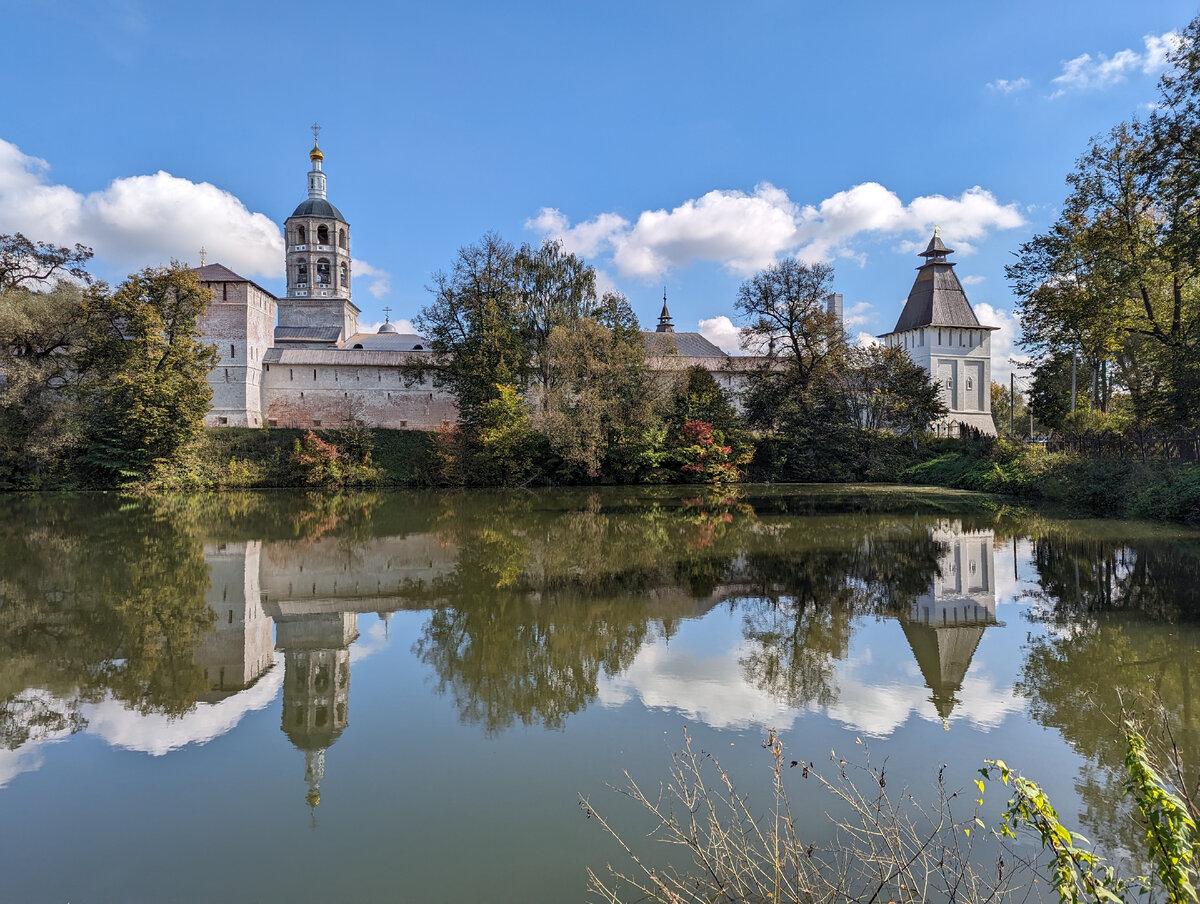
{"points": [[676, 144]]}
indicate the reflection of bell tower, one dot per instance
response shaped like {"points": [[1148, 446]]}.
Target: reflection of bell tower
{"points": [[316, 685], [945, 625]]}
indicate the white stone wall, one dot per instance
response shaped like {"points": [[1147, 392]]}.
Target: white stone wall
{"points": [[959, 359], [318, 388], [241, 323]]}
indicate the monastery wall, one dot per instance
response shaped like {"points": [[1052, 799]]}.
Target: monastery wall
{"points": [[327, 387], [241, 323]]}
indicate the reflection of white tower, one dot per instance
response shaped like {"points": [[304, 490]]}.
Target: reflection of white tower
{"points": [[945, 625], [238, 649]]}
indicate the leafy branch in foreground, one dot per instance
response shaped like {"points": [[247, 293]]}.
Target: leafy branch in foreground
{"points": [[1080, 874], [883, 848]]}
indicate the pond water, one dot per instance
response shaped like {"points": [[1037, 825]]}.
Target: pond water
{"points": [[400, 696]]}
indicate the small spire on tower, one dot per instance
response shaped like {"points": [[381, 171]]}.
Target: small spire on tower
{"points": [[202, 253], [664, 319], [387, 315]]}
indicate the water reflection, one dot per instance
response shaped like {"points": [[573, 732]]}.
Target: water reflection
{"points": [[945, 625], [156, 625]]}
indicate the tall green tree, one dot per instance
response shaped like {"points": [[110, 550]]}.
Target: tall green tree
{"points": [[1117, 277], [474, 326], [786, 321], [596, 393], [147, 391], [886, 390], [41, 333]]}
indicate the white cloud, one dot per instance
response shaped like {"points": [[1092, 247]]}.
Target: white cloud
{"points": [[866, 340], [585, 239], [1008, 86], [1086, 72], [855, 315], [138, 221], [721, 332], [973, 280], [1005, 355], [746, 232], [1157, 47], [380, 280]]}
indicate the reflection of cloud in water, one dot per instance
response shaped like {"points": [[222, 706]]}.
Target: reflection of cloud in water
{"points": [[713, 689], [157, 734], [369, 642], [710, 689]]}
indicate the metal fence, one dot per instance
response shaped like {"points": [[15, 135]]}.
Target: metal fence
{"points": [[1148, 444]]}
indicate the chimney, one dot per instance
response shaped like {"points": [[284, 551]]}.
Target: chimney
{"points": [[833, 305]]}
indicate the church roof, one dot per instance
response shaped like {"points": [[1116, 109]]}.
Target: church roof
{"points": [[937, 297], [686, 345], [217, 273], [221, 273], [391, 341], [317, 207], [328, 334]]}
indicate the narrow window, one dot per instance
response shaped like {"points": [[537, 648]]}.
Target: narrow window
{"points": [[300, 235], [323, 272], [314, 373], [344, 277], [291, 374], [232, 351], [322, 235], [302, 273], [224, 291], [342, 239]]}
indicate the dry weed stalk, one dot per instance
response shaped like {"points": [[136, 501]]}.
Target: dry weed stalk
{"points": [[883, 850]]}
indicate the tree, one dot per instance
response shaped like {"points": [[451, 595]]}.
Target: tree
{"points": [[1117, 277], [146, 391], [886, 390], [41, 333], [786, 321], [24, 261], [594, 391], [474, 326]]}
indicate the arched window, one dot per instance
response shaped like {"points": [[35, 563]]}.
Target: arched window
{"points": [[301, 235], [323, 273], [302, 272], [345, 278], [322, 235]]}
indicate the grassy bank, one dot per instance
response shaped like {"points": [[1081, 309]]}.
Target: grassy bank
{"points": [[1157, 491], [237, 457]]}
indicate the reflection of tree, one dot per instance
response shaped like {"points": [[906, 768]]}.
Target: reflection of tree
{"points": [[544, 601], [808, 590], [96, 602], [1107, 653]]}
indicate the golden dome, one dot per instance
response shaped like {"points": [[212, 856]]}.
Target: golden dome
{"points": [[315, 153]]}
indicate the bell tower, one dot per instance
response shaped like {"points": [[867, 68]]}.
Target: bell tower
{"points": [[318, 265]]}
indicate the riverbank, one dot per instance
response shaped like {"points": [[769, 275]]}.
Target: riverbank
{"points": [[1157, 491], [1119, 488]]}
